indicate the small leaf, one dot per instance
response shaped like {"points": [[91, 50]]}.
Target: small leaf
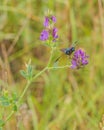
{"points": [[23, 73], [5, 104], [14, 96], [4, 101], [15, 107], [29, 69]]}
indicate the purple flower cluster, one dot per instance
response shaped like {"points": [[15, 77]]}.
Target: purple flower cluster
{"points": [[49, 31], [47, 20], [44, 35], [53, 19], [79, 59], [54, 33]]}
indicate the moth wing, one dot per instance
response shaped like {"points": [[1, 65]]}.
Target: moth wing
{"points": [[63, 50], [62, 60]]}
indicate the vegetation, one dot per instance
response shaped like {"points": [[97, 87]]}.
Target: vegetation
{"points": [[59, 99]]}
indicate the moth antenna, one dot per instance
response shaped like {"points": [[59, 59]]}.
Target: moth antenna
{"points": [[58, 58]]}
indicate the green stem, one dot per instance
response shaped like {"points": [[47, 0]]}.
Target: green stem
{"points": [[8, 117], [30, 81], [24, 91], [50, 59], [59, 67], [38, 74]]}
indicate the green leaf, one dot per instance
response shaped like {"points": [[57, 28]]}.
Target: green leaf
{"points": [[15, 107], [23, 73], [14, 97], [29, 69], [4, 101]]}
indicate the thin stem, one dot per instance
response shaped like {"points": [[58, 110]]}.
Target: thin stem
{"points": [[38, 74], [50, 59], [8, 117], [30, 81], [59, 67], [24, 91]]}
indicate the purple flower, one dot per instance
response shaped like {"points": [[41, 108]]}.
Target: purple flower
{"points": [[46, 22], [44, 35], [54, 33], [53, 19], [79, 59]]}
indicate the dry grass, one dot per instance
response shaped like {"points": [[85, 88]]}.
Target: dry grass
{"points": [[76, 100]]}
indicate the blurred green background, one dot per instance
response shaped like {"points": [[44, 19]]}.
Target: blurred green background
{"points": [[60, 99]]}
